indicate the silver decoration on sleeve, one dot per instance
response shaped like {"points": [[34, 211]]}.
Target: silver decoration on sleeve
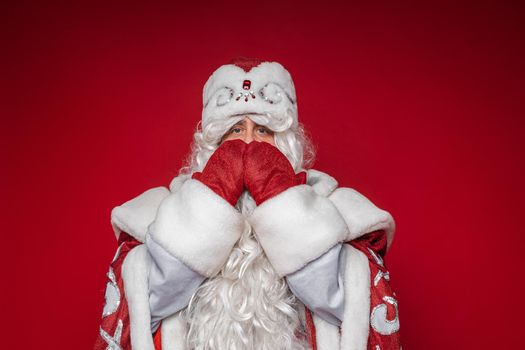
{"points": [[112, 295], [113, 341], [377, 258], [117, 253], [380, 274], [378, 319]]}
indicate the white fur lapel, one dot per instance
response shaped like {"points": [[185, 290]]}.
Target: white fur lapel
{"points": [[353, 334], [356, 317], [135, 276], [135, 270], [326, 334], [173, 331]]}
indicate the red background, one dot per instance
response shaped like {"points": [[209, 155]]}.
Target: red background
{"points": [[417, 106]]}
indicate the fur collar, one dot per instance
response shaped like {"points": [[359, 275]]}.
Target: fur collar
{"points": [[360, 214]]}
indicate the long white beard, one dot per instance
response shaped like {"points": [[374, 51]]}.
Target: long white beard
{"points": [[247, 306]]}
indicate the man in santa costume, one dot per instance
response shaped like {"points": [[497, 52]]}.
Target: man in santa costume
{"points": [[249, 248]]}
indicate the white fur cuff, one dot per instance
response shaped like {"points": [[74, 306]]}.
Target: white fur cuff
{"points": [[198, 227], [296, 227]]}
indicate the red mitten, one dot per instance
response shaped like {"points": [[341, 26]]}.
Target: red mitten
{"points": [[224, 171], [267, 171]]}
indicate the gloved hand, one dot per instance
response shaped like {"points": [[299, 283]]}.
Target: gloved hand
{"points": [[267, 171], [296, 225], [224, 170]]}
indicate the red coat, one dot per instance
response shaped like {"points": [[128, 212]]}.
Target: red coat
{"points": [[371, 313]]}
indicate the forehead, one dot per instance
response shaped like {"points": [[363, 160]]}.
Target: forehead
{"points": [[246, 121]]}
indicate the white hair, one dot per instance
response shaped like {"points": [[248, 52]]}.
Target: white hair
{"points": [[291, 140], [247, 306]]}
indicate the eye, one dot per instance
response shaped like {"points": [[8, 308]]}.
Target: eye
{"points": [[263, 130], [235, 130]]}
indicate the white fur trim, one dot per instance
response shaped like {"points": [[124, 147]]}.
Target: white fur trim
{"points": [[224, 85], [173, 333], [327, 334], [356, 319], [135, 215], [361, 215], [296, 227], [198, 227], [135, 270], [322, 183], [177, 182]]}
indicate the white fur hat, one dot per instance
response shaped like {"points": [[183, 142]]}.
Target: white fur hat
{"points": [[249, 86]]}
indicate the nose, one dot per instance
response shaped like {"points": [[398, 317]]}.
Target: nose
{"points": [[248, 136]]}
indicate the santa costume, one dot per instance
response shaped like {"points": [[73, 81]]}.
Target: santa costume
{"points": [[247, 248]]}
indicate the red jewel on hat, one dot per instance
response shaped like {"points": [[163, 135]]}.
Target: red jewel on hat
{"points": [[246, 85]]}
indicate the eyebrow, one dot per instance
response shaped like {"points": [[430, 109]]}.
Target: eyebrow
{"points": [[243, 122], [240, 122]]}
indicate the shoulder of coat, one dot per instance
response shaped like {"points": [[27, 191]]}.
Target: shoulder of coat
{"points": [[322, 183], [361, 215], [135, 215]]}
